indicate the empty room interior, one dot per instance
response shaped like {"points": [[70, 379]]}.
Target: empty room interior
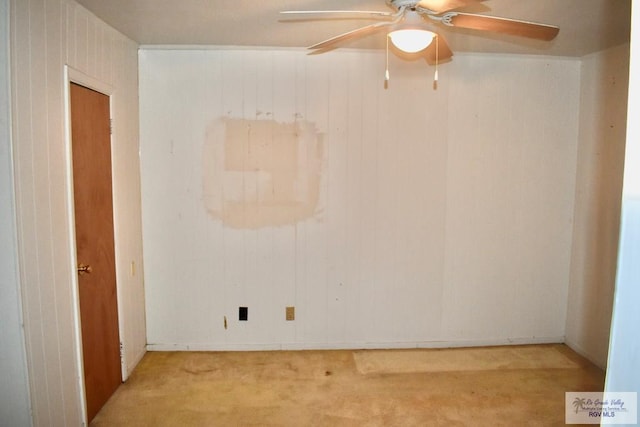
{"points": [[344, 236]]}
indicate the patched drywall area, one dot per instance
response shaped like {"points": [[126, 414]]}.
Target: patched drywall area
{"points": [[261, 173]]}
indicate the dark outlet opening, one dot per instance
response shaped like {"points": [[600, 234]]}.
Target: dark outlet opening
{"points": [[243, 313]]}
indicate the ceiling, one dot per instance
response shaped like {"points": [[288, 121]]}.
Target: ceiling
{"points": [[586, 26]]}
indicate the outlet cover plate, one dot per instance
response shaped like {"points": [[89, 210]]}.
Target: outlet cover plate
{"points": [[290, 313]]}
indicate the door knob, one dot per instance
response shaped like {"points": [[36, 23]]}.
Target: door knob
{"points": [[84, 269]]}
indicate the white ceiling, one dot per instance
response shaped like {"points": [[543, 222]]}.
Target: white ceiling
{"points": [[586, 26]]}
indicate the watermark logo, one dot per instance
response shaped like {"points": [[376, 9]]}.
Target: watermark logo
{"points": [[598, 407]]}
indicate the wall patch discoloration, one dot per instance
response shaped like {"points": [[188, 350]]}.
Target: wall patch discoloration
{"points": [[261, 173]]}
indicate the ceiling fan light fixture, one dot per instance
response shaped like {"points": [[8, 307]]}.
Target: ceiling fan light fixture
{"points": [[411, 40]]}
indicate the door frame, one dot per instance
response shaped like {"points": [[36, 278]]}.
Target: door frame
{"points": [[72, 75]]}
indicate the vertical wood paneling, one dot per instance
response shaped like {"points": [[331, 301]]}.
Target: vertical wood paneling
{"points": [[336, 203], [278, 93], [369, 192], [603, 103], [391, 106], [42, 198], [46, 35], [353, 210], [107, 49], [234, 242], [80, 23], [255, 293], [436, 206], [14, 392], [316, 294], [68, 11], [55, 39], [298, 296], [156, 222], [25, 206], [123, 69], [520, 208], [211, 240]]}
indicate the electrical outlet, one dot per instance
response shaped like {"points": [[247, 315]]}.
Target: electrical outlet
{"points": [[290, 313], [243, 313]]}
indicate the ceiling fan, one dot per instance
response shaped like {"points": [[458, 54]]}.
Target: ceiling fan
{"points": [[410, 32]]}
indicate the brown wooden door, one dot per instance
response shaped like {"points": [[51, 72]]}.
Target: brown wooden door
{"points": [[91, 152]]}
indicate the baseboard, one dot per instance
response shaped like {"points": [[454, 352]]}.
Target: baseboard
{"points": [[355, 345], [138, 357], [586, 354]]}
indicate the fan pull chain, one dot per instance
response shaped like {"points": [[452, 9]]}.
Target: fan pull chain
{"points": [[435, 76], [386, 71]]}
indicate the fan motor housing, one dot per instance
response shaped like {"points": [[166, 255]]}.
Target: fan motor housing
{"points": [[409, 4]]}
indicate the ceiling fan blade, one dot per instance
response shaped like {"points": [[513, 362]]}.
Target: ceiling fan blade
{"points": [[358, 13], [441, 6], [438, 50], [354, 33], [513, 27]]}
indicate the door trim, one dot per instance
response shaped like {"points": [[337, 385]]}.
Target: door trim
{"points": [[72, 75]]}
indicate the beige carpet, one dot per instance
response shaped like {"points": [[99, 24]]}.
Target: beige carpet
{"points": [[470, 359], [502, 386]]}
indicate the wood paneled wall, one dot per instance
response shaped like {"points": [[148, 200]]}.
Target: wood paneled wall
{"points": [[603, 112], [46, 35], [14, 391], [443, 217]]}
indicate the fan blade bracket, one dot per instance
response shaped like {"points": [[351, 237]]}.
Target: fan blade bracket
{"points": [[441, 6], [372, 13]]}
